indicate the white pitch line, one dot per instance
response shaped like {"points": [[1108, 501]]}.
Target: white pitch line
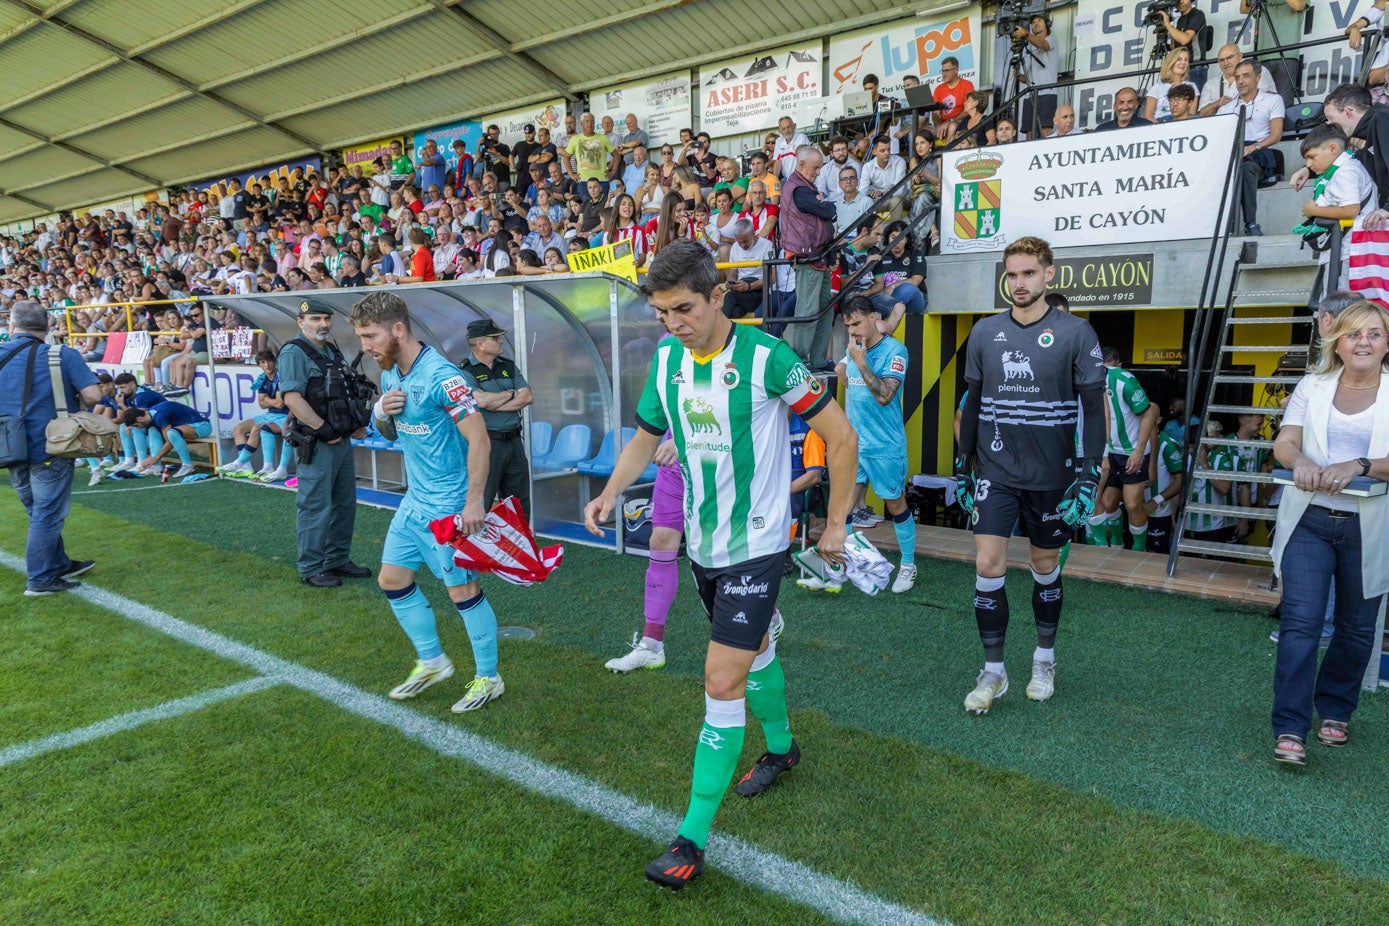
{"points": [[129, 721], [145, 488], [837, 898]]}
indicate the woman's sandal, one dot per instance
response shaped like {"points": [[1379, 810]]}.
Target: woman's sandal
{"points": [[1334, 733], [1290, 749]]}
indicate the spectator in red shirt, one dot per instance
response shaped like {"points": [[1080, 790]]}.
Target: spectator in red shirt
{"points": [[761, 213], [318, 193], [421, 259], [951, 90]]}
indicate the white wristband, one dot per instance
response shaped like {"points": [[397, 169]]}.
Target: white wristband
{"points": [[377, 411]]}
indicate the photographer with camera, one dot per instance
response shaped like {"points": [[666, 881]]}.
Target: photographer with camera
{"points": [[317, 387], [494, 156], [1041, 66], [1187, 30]]}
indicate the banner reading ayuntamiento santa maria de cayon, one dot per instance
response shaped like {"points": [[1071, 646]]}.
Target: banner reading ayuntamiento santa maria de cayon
{"points": [[1154, 183]]}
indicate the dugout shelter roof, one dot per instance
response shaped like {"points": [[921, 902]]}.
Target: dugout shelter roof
{"points": [[103, 99]]}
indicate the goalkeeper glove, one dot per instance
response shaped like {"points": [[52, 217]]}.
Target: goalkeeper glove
{"points": [[964, 485], [1078, 504]]}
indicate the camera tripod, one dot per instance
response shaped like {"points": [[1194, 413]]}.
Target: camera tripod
{"points": [[1258, 12], [1014, 77], [1162, 46]]}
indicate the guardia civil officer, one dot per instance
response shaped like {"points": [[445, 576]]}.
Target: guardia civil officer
{"points": [[313, 378], [501, 392]]}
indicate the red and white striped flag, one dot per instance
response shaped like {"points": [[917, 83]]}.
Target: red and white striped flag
{"points": [[1369, 265], [505, 547]]}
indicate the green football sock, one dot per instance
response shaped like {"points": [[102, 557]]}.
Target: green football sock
{"points": [[1140, 536], [766, 696], [715, 761]]}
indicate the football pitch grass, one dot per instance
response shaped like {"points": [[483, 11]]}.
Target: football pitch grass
{"points": [[152, 780]]}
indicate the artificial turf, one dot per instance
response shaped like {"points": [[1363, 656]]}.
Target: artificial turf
{"points": [[1101, 806]]}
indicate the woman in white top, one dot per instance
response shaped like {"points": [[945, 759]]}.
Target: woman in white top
{"points": [[1176, 68], [1336, 429], [650, 193]]}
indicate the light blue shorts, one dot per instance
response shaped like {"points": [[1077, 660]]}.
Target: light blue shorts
{"points": [[269, 418], [203, 429], [886, 474], [411, 544]]}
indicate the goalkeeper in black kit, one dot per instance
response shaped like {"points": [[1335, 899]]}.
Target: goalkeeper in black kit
{"points": [[1032, 437]]}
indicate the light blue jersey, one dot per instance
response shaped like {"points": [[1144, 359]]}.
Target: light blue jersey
{"points": [[880, 428], [436, 455]]}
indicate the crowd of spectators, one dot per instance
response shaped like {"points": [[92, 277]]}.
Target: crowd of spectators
{"points": [[521, 209]]}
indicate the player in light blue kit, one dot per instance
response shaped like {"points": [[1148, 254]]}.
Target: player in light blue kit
{"points": [[429, 408], [873, 370]]}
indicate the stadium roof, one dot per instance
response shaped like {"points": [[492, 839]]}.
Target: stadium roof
{"points": [[103, 99]]}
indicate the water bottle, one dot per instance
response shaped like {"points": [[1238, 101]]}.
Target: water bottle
{"points": [[164, 473]]}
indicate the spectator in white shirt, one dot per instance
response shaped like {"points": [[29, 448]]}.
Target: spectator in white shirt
{"points": [[851, 203], [1263, 128], [828, 181], [788, 142], [880, 174], [1220, 86], [743, 286], [445, 253]]}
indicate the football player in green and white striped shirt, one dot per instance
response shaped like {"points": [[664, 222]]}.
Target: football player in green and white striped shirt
{"points": [[1212, 527], [1247, 460], [726, 392], [1164, 488], [1132, 420]]}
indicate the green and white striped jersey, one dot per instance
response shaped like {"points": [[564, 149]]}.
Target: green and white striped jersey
{"points": [[729, 416], [1127, 401], [1169, 464], [1203, 493]]}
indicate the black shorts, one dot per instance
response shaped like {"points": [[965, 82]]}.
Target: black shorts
{"points": [[740, 599], [998, 507], [1118, 462]]}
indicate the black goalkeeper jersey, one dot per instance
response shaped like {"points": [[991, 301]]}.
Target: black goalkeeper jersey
{"points": [[1028, 379]]}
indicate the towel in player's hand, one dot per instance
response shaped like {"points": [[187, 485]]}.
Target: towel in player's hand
{"points": [[864, 566], [505, 547], [1078, 504]]}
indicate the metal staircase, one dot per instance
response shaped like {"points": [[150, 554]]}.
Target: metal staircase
{"points": [[1272, 284]]}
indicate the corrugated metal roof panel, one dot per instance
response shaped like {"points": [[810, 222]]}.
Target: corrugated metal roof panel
{"points": [[415, 46], [42, 57], [37, 166], [99, 186], [477, 90], [517, 21], [12, 209], [112, 19], [12, 19], [184, 122], [89, 101], [272, 31], [11, 140], [216, 157]]}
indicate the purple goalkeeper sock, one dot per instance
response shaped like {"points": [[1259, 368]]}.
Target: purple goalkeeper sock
{"points": [[662, 581]]}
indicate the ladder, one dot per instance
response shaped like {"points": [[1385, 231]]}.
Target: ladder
{"points": [[1270, 284]]}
